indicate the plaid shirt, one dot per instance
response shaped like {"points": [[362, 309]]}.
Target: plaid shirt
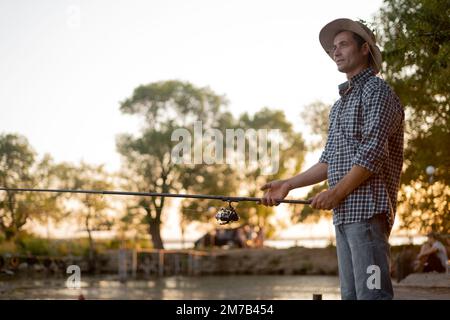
{"points": [[366, 129]]}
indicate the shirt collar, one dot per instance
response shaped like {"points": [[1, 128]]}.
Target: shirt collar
{"points": [[355, 81]]}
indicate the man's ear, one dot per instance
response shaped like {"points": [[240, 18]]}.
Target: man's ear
{"points": [[365, 48]]}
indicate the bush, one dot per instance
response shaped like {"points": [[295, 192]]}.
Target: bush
{"points": [[25, 244], [32, 245]]}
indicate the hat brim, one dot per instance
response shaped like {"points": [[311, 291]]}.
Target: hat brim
{"points": [[329, 31]]}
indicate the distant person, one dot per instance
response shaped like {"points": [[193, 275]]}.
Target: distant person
{"points": [[432, 256], [244, 235], [362, 161]]}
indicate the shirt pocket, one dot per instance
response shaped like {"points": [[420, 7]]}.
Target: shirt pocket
{"points": [[351, 122]]}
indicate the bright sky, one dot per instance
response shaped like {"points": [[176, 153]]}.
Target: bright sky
{"points": [[66, 65]]}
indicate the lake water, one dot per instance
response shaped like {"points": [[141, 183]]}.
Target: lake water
{"points": [[177, 287]]}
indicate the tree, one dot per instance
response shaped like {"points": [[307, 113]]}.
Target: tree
{"points": [[50, 175], [416, 40], [91, 211], [290, 158], [19, 168], [166, 106], [16, 160], [315, 117], [416, 201], [214, 178], [245, 175]]}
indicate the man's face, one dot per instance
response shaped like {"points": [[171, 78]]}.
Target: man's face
{"points": [[346, 54], [431, 240]]}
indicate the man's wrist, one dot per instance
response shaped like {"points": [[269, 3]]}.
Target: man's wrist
{"points": [[288, 183], [338, 192]]}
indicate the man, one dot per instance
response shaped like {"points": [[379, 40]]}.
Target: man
{"points": [[362, 161], [432, 256]]}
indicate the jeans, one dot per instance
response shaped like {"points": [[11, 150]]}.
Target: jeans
{"points": [[433, 264], [363, 253]]}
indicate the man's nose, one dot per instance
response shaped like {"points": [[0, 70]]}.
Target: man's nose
{"points": [[336, 54]]}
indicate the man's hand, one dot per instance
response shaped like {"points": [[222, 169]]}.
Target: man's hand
{"points": [[276, 190], [329, 199], [326, 200]]}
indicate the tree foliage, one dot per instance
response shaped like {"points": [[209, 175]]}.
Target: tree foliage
{"points": [[415, 36], [19, 168], [165, 106]]}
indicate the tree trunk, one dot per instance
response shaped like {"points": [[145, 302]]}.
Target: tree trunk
{"points": [[155, 233], [9, 233], [155, 223], [183, 240], [9, 230], [91, 257]]}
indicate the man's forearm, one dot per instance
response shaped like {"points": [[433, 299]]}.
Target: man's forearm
{"points": [[351, 181], [331, 198], [427, 252], [317, 173]]}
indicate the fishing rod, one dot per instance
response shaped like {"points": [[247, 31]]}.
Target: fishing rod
{"points": [[224, 215]]}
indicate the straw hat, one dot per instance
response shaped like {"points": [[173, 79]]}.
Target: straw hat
{"points": [[327, 34]]}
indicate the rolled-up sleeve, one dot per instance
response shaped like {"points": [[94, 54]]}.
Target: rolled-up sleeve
{"points": [[381, 119], [325, 158]]}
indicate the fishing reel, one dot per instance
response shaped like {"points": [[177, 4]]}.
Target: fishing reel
{"points": [[227, 215]]}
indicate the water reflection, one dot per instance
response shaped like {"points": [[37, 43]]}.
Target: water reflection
{"points": [[179, 287]]}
